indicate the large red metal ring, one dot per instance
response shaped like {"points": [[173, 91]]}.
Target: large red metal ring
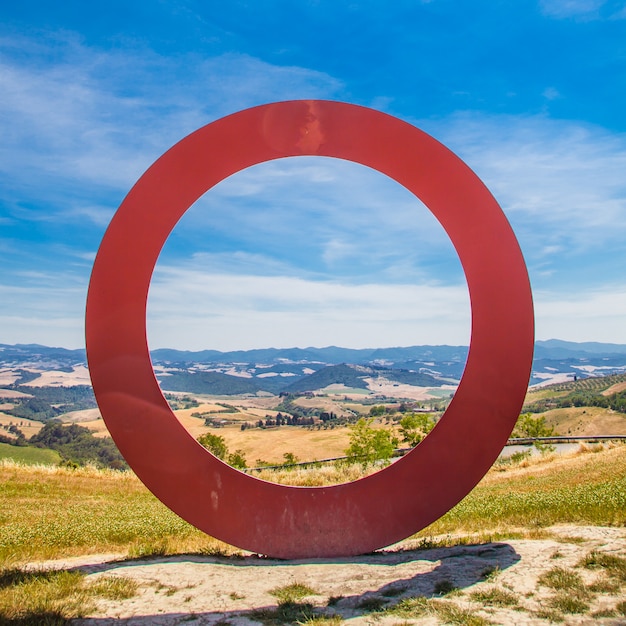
{"points": [[338, 520]]}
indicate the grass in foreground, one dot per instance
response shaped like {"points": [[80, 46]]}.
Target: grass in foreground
{"points": [[448, 612], [55, 512], [586, 488], [51, 512], [48, 597], [292, 593]]}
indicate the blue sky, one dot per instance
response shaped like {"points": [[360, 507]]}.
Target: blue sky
{"points": [[312, 251]]}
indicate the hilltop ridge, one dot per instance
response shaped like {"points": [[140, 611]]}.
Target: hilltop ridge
{"points": [[274, 370]]}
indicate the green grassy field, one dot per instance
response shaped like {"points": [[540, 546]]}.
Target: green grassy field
{"points": [[588, 488], [55, 512], [29, 455]]}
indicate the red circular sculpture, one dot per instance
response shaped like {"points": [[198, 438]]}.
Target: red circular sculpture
{"points": [[339, 520]]}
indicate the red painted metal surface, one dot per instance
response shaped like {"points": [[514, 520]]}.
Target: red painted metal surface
{"points": [[296, 522]]}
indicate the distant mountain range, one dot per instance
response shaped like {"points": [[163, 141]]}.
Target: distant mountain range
{"points": [[306, 369]]}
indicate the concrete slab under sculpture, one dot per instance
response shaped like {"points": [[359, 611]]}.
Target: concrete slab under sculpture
{"points": [[338, 520]]}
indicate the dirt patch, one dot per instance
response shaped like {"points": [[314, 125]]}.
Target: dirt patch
{"points": [[238, 591]]}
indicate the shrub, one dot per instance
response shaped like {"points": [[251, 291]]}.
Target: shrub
{"points": [[368, 444], [495, 597], [561, 579], [529, 426], [215, 444], [237, 459], [292, 593], [415, 426]]}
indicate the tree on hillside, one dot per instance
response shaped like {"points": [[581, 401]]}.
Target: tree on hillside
{"points": [[368, 444], [377, 410], [237, 460], [529, 426], [215, 444], [78, 445], [290, 458], [415, 426]]}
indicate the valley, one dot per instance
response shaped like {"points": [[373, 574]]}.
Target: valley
{"points": [[315, 399]]}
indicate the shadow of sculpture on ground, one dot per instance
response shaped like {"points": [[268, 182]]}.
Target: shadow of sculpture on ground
{"points": [[238, 590]]}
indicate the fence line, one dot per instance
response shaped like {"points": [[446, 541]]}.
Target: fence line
{"points": [[398, 452], [521, 441]]}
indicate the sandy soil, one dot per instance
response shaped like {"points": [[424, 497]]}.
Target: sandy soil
{"points": [[210, 590]]}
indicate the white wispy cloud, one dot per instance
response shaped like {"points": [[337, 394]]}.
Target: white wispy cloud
{"points": [[71, 114], [195, 308], [590, 314], [327, 216], [583, 10], [571, 8], [561, 183], [223, 311], [42, 306], [303, 247]]}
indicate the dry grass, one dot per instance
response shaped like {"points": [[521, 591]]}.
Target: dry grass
{"points": [[317, 477], [612, 564], [28, 427], [87, 418], [51, 512], [616, 388], [543, 393], [54, 378], [292, 593], [445, 611], [583, 488], [51, 597], [271, 444], [586, 420]]}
